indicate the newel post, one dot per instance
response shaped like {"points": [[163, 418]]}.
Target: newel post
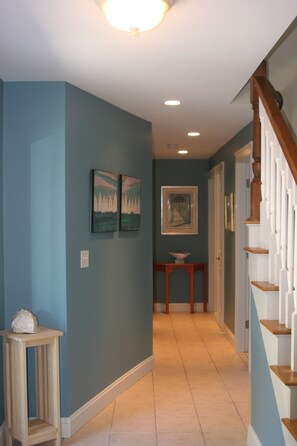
{"points": [[256, 166]]}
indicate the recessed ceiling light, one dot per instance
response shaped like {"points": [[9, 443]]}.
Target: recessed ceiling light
{"points": [[183, 152], [193, 133], [172, 102], [172, 146]]}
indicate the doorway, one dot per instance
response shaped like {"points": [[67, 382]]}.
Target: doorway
{"points": [[243, 160], [216, 242]]}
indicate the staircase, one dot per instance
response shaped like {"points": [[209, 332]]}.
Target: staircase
{"points": [[272, 256]]}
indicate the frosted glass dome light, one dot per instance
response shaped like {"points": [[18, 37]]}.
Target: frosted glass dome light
{"points": [[134, 15]]}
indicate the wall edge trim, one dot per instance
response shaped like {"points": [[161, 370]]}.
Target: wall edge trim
{"points": [[178, 308], [229, 335], [70, 425], [253, 439], [2, 428]]}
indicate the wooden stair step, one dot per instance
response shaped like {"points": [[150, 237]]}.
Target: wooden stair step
{"points": [[256, 250], [291, 425], [285, 374], [252, 222], [265, 286], [275, 327]]}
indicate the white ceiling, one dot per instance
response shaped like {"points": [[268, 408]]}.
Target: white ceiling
{"points": [[203, 54]]}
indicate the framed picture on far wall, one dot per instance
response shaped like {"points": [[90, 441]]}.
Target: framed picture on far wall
{"points": [[130, 203], [229, 212], [104, 201], [179, 210]]}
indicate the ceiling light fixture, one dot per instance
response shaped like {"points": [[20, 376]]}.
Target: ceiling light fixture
{"points": [[134, 15], [193, 133], [183, 152], [172, 102]]}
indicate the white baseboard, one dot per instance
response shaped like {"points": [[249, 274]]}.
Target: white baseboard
{"points": [[178, 308], [2, 434], [84, 414], [230, 336], [253, 439]]}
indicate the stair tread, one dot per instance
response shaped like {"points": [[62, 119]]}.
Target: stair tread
{"points": [[252, 222], [275, 327], [291, 425], [285, 374], [265, 286], [256, 250]]}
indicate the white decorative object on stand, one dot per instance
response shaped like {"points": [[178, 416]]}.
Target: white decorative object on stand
{"points": [[24, 322]]}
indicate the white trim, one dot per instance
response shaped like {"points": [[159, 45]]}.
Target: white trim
{"points": [[178, 308], [253, 439], [242, 286], [84, 414], [229, 335], [2, 427]]}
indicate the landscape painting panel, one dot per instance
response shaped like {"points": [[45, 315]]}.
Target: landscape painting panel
{"points": [[130, 203], [105, 201]]}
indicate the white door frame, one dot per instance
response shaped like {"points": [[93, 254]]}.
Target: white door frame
{"points": [[215, 233], [242, 209]]}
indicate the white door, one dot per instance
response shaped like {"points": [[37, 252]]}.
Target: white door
{"points": [[216, 242], [242, 212]]}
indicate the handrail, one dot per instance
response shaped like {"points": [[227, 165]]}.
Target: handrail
{"points": [[278, 123]]}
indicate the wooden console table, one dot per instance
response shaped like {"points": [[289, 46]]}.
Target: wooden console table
{"points": [[167, 268], [47, 424]]}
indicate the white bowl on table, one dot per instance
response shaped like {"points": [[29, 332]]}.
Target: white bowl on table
{"points": [[179, 257]]}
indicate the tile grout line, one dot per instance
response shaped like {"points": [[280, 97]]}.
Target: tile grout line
{"points": [[221, 377], [185, 371]]}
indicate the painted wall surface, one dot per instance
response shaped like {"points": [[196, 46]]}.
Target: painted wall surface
{"points": [[264, 413], [34, 205], [1, 250], [109, 305], [180, 173], [105, 310], [282, 68], [226, 154]]}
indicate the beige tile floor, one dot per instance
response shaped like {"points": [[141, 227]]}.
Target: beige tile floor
{"points": [[198, 394]]}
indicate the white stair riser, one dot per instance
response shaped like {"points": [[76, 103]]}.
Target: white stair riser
{"points": [[289, 439], [258, 267], [286, 398], [266, 303], [277, 347], [254, 235]]}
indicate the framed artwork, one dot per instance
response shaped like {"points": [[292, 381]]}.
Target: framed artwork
{"points": [[179, 210], [130, 203], [104, 201], [229, 212]]}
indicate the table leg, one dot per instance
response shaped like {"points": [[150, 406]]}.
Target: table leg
{"points": [[192, 290], [167, 290], [204, 289]]}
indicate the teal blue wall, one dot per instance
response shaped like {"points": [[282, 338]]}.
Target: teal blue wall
{"points": [[54, 134], [180, 173], [1, 250], [34, 205], [226, 154], [264, 413], [110, 303]]}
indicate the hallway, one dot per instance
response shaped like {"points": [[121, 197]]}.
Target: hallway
{"points": [[198, 394]]}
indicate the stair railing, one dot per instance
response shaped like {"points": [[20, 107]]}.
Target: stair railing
{"points": [[278, 208]]}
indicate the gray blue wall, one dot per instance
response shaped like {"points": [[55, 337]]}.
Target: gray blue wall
{"points": [[180, 173], [54, 134], [226, 154], [1, 250], [110, 302], [264, 413]]}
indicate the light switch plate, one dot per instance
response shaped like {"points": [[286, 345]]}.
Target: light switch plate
{"points": [[84, 259]]}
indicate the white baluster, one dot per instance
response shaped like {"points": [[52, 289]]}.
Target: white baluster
{"points": [[277, 263], [283, 282], [290, 261], [294, 315], [272, 236]]}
